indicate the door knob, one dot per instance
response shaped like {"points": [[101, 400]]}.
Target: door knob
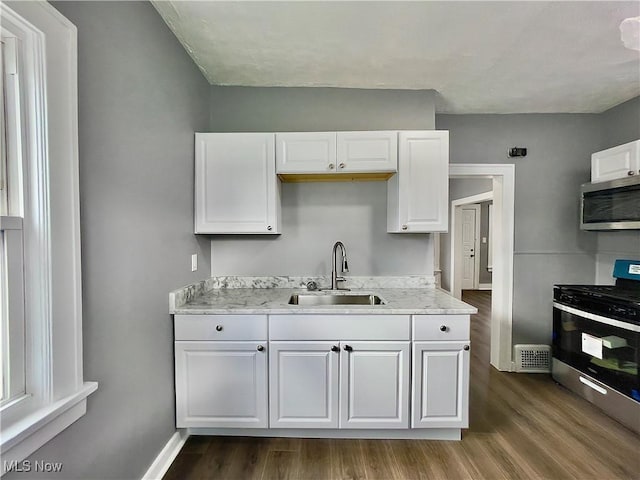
{"points": [[348, 348], [335, 348]]}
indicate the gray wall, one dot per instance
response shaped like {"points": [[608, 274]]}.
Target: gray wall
{"points": [[140, 100], [620, 124], [459, 188], [315, 215], [549, 246], [485, 275]]}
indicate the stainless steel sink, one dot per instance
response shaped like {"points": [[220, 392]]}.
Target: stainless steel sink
{"points": [[336, 299]]}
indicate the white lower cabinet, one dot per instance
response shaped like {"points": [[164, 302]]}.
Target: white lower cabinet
{"points": [[370, 389], [374, 385], [440, 385], [303, 377], [221, 384]]}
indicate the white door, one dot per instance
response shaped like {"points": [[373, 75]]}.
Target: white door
{"points": [[617, 162], [468, 246], [221, 384], [236, 189], [374, 385], [440, 385], [306, 152], [367, 151], [303, 384], [419, 193]]}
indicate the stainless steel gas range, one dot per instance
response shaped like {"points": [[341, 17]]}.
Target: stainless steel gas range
{"points": [[596, 342]]}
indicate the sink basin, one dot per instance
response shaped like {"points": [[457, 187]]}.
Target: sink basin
{"points": [[336, 299]]}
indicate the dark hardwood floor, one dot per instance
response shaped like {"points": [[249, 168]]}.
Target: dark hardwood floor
{"points": [[521, 426]]}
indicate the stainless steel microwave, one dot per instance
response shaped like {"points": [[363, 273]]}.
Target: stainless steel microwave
{"points": [[613, 205]]}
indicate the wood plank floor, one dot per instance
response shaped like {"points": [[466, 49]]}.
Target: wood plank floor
{"points": [[521, 426]]}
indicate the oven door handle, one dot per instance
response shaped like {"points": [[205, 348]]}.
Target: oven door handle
{"points": [[597, 318], [592, 385]]}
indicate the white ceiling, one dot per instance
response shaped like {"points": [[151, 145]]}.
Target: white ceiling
{"points": [[481, 57]]}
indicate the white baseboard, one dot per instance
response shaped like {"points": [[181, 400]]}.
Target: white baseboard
{"points": [[166, 456], [484, 286]]}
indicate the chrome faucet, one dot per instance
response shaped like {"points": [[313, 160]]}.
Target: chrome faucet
{"points": [[345, 266]]}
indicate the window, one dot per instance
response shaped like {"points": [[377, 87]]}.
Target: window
{"points": [[40, 288], [12, 351]]}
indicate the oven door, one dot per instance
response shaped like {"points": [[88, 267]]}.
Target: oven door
{"points": [[606, 349]]}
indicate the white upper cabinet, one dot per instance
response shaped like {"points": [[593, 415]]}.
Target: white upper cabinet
{"points": [[367, 152], [236, 190], [306, 152], [618, 162], [334, 153], [418, 196]]}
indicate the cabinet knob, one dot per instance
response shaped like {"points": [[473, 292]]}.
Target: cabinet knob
{"points": [[404, 227], [269, 227], [342, 165], [466, 347], [348, 348], [631, 172], [443, 328], [219, 328], [331, 166], [335, 348], [260, 348]]}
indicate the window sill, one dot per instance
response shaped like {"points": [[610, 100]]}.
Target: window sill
{"points": [[25, 436]]}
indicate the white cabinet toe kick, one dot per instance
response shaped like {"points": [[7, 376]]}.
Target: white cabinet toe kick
{"points": [[323, 376]]}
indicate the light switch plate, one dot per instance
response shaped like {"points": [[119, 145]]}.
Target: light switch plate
{"points": [[484, 239], [194, 262]]}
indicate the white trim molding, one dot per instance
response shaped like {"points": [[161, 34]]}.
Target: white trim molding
{"points": [[503, 176], [167, 455], [56, 392], [484, 286]]}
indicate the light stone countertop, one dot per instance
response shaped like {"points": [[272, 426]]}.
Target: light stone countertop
{"points": [[241, 295]]}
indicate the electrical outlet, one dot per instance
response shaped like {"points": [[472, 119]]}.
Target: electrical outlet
{"points": [[194, 262]]}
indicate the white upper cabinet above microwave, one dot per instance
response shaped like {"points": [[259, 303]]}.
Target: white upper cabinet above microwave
{"points": [[617, 162], [418, 195], [341, 152], [236, 190]]}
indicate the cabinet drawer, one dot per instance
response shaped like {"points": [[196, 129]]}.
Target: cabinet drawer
{"points": [[339, 327], [441, 327], [220, 327]]}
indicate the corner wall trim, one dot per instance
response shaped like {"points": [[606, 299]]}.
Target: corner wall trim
{"points": [[484, 286], [166, 456]]}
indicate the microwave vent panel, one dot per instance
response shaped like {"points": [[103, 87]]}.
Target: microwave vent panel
{"points": [[533, 358]]}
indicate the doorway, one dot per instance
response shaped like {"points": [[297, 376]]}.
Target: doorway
{"points": [[502, 244]]}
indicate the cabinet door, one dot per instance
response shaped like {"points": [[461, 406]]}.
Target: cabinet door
{"points": [[303, 385], [440, 385], [306, 152], [221, 384], [617, 162], [374, 385], [237, 190], [367, 151], [418, 195]]}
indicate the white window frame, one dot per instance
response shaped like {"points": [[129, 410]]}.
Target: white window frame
{"points": [[55, 391]]}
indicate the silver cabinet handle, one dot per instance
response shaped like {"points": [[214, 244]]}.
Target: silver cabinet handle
{"points": [[331, 165], [269, 228], [443, 328], [631, 172], [342, 165], [219, 328], [466, 347], [404, 227], [260, 348]]}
